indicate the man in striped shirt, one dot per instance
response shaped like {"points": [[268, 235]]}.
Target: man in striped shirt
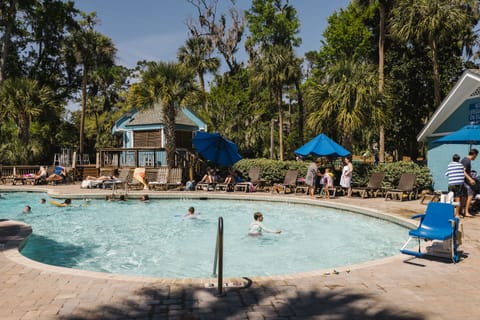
{"points": [[456, 178]]}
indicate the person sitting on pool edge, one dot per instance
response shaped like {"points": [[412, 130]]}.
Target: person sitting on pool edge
{"points": [[139, 175], [60, 175], [257, 227], [191, 214]]}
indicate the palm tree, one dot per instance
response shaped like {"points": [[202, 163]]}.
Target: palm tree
{"points": [[168, 83], [277, 67], [431, 20], [347, 96], [107, 86], [21, 100], [90, 50], [381, 4], [195, 54]]}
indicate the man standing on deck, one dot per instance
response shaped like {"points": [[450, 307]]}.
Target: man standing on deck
{"points": [[469, 181]]}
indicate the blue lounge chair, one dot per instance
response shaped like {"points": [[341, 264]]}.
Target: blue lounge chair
{"points": [[438, 223]]}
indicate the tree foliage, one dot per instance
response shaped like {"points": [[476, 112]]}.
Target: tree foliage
{"points": [[51, 54], [167, 83], [224, 31], [432, 22]]}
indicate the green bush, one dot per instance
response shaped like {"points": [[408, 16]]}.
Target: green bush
{"points": [[275, 170], [393, 171], [272, 170]]}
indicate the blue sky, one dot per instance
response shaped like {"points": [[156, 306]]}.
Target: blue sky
{"points": [[155, 29]]}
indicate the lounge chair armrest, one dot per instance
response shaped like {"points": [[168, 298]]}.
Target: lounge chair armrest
{"points": [[453, 222], [418, 216]]}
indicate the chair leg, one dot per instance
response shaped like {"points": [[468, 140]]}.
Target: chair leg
{"points": [[455, 257]]}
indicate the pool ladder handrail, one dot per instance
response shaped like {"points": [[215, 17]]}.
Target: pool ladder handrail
{"points": [[219, 258]]}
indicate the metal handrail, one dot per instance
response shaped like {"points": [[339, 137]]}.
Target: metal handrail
{"points": [[219, 257]]}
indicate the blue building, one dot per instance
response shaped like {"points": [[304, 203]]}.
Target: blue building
{"points": [[461, 107], [142, 136]]}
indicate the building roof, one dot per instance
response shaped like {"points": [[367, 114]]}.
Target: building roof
{"points": [[152, 119], [150, 116], [468, 86]]}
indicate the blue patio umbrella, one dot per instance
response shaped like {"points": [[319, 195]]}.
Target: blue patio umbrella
{"points": [[469, 134], [322, 146], [216, 148]]}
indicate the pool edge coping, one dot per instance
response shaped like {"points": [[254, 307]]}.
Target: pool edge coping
{"points": [[12, 251]]}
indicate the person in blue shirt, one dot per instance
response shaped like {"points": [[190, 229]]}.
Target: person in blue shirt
{"points": [[60, 174]]}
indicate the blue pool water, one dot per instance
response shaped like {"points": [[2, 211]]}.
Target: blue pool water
{"points": [[152, 239]]}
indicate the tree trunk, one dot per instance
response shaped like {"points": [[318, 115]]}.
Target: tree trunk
{"points": [[23, 128], [381, 76], [97, 127], [301, 113], [436, 74], [280, 124], [202, 86], [169, 113], [84, 109], [5, 45]]}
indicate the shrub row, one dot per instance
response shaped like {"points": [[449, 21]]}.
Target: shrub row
{"points": [[275, 170]]}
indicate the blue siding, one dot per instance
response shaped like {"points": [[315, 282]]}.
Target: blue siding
{"points": [[440, 156], [458, 119]]}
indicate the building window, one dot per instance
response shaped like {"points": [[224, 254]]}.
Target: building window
{"points": [[151, 139], [183, 139]]}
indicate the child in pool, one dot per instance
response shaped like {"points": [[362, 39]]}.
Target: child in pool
{"points": [[65, 203], [257, 227], [191, 214]]}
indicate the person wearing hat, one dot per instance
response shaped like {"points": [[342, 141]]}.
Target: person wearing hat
{"points": [[311, 178]]}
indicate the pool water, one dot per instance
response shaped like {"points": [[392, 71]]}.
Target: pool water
{"points": [[153, 239]]}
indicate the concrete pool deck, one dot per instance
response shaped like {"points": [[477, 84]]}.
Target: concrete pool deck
{"points": [[399, 287]]}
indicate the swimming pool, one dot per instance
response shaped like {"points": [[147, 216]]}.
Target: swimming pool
{"points": [[152, 239]]}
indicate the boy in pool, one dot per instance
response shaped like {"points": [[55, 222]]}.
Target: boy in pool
{"points": [[191, 214], [27, 209], [257, 227]]}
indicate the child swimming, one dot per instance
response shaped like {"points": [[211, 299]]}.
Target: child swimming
{"points": [[191, 214], [257, 227]]}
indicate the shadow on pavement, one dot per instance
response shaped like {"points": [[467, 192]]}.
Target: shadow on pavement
{"points": [[256, 302]]}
